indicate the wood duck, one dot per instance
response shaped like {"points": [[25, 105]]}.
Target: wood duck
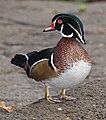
{"points": [[63, 66]]}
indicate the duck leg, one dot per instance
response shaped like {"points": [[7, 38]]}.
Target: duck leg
{"points": [[49, 98], [65, 97]]}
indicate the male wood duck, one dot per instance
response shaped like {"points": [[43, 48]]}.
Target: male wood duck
{"points": [[63, 66]]}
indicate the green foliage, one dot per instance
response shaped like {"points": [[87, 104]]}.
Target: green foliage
{"points": [[83, 8]]}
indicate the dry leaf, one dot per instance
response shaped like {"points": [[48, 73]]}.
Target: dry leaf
{"points": [[7, 108]]}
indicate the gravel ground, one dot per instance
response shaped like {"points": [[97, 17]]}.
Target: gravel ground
{"points": [[21, 24]]}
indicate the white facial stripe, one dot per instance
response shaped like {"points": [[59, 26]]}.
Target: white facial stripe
{"points": [[78, 40], [26, 57], [69, 36], [35, 64], [53, 63], [76, 32], [61, 28], [63, 35]]}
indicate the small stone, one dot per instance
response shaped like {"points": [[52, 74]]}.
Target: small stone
{"points": [[67, 118], [59, 108]]}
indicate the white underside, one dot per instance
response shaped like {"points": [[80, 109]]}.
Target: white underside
{"points": [[72, 76]]}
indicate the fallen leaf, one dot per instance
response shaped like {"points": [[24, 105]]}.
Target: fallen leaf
{"points": [[7, 108]]}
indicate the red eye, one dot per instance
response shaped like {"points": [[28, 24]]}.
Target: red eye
{"points": [[59, 21]]}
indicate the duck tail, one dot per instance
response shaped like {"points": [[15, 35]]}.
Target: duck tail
{"points": [[19, 60]]}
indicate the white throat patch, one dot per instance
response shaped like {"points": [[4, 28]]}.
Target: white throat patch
{"points": [[63, 35]]}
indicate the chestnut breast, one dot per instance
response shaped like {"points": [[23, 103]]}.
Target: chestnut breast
{"points": [[67, 52]]}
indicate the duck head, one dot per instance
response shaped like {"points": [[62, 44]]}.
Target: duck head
{"points": [[70, 26]]}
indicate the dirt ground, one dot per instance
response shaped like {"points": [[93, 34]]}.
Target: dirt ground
{"points": [[21, 24]]}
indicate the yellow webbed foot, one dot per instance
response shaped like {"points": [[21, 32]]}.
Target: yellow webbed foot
{"points": [[53, 100], [65, 97], [49, 98]]}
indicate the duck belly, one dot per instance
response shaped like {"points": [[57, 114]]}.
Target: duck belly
{"points": [[73, 76]]}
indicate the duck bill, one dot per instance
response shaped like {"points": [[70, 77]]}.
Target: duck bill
{"points": [[50, 28]]}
